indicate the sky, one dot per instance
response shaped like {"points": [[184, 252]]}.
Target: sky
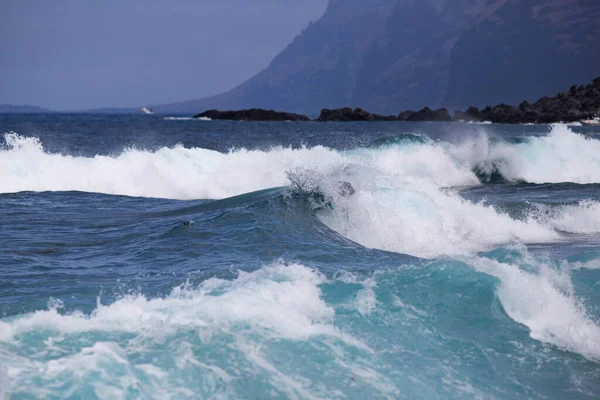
{"points": [[82, 54]]}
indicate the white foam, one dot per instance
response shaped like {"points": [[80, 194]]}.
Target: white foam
{"points": [[583, 218], [366, 301], [183, 173], [544, 301], [421, 220], [176, 172], [5, 386], [186, 119], [561, 156], [284, 301], [110, 350]]}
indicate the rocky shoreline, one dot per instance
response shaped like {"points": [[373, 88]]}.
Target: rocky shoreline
{"points": [[580, 102], [253, 114]]}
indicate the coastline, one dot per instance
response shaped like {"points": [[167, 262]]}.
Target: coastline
{"points": [[579, 103]]}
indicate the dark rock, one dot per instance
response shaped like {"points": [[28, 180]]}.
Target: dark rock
{"points": [[442, 114], [501, 113], [253, 114], [472, 114], [348, 114], [427, 114], [573, 89], [524, 105], [345, 189], [578, 103], [406, 115]]}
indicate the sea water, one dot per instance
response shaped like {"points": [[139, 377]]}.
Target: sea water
{"points": [[153, 257]]}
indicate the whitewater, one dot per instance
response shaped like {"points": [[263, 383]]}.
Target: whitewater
{"points": [[155, 258], [189, 173]]}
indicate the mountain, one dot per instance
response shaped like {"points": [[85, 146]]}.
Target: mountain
{"points": [[525, 49], [392, 55], [22, 109]]}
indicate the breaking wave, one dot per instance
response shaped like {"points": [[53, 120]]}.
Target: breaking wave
{"points": [[227, 338], [186, 173]]}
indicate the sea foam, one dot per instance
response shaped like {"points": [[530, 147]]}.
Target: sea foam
{"points": [[542, 298], [186, 173], [560, 156], [194, 340], [281, 326], [423, 221]]}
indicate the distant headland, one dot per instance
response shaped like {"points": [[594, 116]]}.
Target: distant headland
{"points": [[22, 109], [580, 102]]}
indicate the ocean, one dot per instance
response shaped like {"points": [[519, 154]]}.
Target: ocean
{"points": [[154, 257]]}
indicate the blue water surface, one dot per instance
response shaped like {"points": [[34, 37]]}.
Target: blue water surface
{"points": [[280, 292]]}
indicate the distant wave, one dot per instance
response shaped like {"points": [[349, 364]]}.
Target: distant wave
{"points": [[186, 119], [184, 173]]}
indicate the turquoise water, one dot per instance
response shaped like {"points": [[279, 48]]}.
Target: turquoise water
{"points": [[153, 258]]}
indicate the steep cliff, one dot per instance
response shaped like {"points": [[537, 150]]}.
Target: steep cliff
{"points": [[390, 55], [318, 68], [523, 49]]}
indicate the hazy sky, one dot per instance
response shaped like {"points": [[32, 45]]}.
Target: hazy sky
{"points": [[77, 54]]}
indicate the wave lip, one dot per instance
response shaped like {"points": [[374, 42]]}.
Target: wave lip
{"points": [[421, 220], [544, 301]]}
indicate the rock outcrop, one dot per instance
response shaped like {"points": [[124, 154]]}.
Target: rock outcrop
{"points": [[427, 114], [406, 115], [358, 114], [348, 114], [580, 102], [471, 115], [253, 114]]}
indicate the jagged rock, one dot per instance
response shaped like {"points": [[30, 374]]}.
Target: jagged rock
{"points": [[406, 115], [501, 113], [427, 114], [348, 114], [442, 114], [580, 102], [472, 114], [253, 114]]}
